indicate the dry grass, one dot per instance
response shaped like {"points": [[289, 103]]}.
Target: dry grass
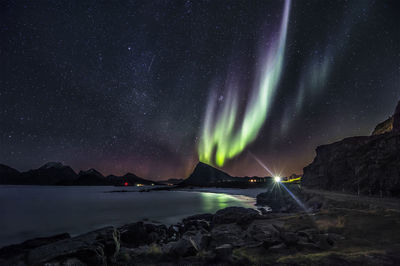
{"points": [[321, 257]]}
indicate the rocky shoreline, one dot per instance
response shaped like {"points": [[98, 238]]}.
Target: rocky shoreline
{"points": [[287, 235]]}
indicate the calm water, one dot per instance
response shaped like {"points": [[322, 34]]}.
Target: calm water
{"points": [[33, 211]]}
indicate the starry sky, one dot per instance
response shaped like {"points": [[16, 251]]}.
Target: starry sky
{"points": [[124, 85]]}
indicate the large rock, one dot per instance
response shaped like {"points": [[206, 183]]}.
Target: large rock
{"points": [[93, 248], [14, 250], [227, 234], [280, 200], [137, 234], [239, 215], [264, 232]]}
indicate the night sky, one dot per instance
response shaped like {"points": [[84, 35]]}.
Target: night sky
{"points": [[124, 85]]}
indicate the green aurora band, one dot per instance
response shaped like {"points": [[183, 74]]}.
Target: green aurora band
{"points": [[219, 135]]}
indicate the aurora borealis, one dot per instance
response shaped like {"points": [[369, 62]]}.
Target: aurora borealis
{"points": [[219, 134], [151, 87]]}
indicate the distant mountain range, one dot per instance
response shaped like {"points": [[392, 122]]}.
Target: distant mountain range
{"points": [[55, 173]]}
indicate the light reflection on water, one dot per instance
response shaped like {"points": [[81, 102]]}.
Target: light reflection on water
{"points": [[33, 211]]}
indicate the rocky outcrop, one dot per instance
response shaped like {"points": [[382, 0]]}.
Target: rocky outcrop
{"points": [[367, 165], [360, 165], [14, 250], [392, 124], [289, 198], [198, 240], [384, 127], [396, 119]]}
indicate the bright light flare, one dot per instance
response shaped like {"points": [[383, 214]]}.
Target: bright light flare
{"points": [[277, 179]]}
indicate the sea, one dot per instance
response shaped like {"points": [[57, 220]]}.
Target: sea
{"points": [[38, 211]]}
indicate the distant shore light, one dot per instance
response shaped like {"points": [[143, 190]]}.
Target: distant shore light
{"points": [[277, 179]]}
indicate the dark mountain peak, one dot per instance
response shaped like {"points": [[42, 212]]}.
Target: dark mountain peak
{"points": [[52, 173], [92, 172], [202, 168], [130, 175], [129, 179], [52, 165], [5, 169], [204, 175], [8, 175]]}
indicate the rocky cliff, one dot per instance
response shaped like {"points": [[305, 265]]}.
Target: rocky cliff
{"points": [[396, 119], [384, 127], [392, 124], [367, 165]]}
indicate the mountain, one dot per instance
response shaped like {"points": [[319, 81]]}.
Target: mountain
{"points": [[129, 179], [52, 173], [55, 173], [8, 175], [171, 181], [368, 165], [90, 177], [205, 175]]}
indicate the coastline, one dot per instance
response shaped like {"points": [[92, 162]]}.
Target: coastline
{"points": [[326, 234]]}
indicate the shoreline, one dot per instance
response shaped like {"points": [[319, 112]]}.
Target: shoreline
{"points": [[232, 236]]}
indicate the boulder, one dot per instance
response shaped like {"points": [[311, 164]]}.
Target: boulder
{"points": [[14, 250], [182, 248], [199, 217], [280, 200], [92, 248], [224, 251], [289, 238], [264, 232], [137, 234], [227, 234], [239, 215], [199, 239]]}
